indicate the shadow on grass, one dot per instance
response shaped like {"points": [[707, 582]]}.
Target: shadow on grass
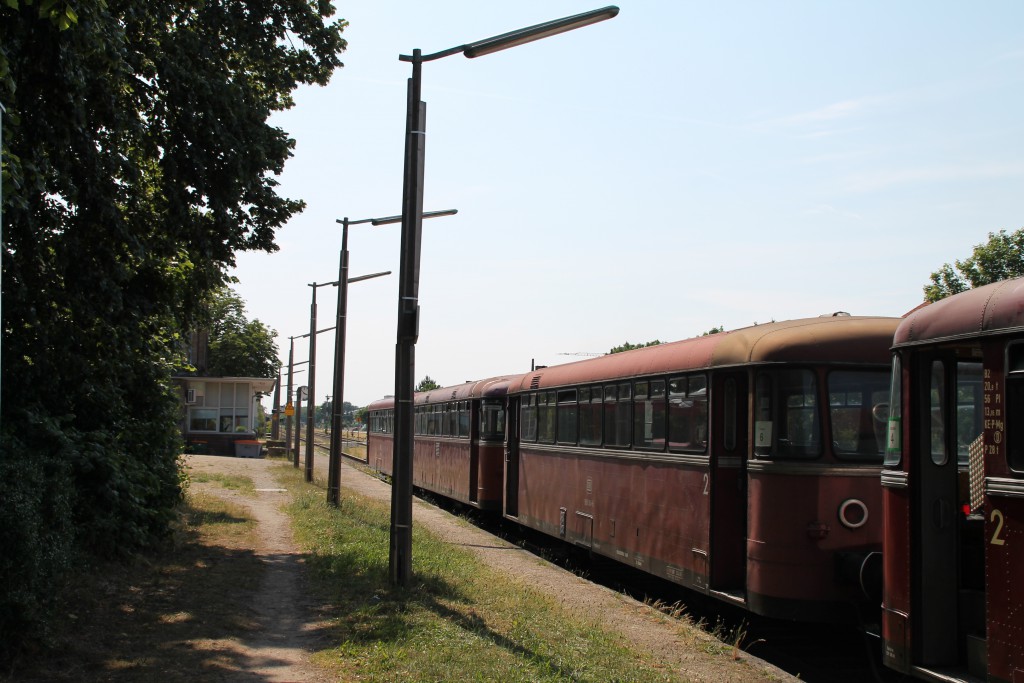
{"points": [[375, 612], [185, 615]]}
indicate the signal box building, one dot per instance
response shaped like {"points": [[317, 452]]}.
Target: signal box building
{"points": [[218, 412]]}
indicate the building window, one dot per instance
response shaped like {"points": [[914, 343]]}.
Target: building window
{"points": [[225, 408]]}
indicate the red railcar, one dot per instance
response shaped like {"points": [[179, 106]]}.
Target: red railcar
{"points": [[742, 464], [458, 444], [953, 489]]}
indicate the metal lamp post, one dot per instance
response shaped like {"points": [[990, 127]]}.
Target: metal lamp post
{"points": [[400, 558], [311, 407], [337, 408]]}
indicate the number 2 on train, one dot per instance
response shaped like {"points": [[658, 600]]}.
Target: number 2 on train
{"points": [[999, 528]]}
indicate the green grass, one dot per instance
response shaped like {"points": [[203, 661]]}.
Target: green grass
{"points": [[460, 621]]}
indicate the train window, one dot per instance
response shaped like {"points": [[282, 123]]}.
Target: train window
{"points": [[546, 417], [492, 419], [894, 433], [452, 418], [435, 420], [528, 418], [649, 414], [688, 413], [937, 393], [1014, 421], [567, 416], [617, 409], [969, 409], [464, 419], [590, 416], [859, 411], [787, 420]]}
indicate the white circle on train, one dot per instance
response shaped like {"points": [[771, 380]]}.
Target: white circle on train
{"points": [[860, 513]]}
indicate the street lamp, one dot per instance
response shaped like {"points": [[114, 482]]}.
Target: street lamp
{"points": [[400, 558], [334, 469]]}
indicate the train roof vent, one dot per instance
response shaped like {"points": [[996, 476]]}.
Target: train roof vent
{"points": [[837, 314], [535, 382]]}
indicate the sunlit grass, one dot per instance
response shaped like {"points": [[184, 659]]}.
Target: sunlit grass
{"points": [[459, 620]]}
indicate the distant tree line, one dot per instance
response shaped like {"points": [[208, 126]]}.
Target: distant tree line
{"points": [[137, 160]]}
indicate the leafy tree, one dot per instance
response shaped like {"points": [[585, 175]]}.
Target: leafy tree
{"points": [[137, 159], [714, 330], [238, 347], [1001, 258], [426, 384], [626, 346]]}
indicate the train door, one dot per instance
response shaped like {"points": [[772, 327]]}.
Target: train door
{"points": [[948, 603], [729, 484], [511, 497]]}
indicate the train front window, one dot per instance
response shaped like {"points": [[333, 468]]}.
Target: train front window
{"points": [[859, 411], [787, 420]]}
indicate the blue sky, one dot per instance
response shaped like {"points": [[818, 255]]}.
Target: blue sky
{"points": [[682, 166]]}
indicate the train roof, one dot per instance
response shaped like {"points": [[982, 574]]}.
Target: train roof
{"points": [[837, 339], [991, 309], [492, 387]]}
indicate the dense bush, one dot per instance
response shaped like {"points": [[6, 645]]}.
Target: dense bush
{"points": [[137, 160]]}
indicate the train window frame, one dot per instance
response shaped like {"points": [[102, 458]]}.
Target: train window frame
{"points": [[491, 419], [1013, 405], [975, 381], [894, 433], [618, 415], [528, 418], [546, 417], [463, 419], [590, 416], [773, 416], [567, 416], [650, 419], [843, 400], [690, 393], [937, 401]]}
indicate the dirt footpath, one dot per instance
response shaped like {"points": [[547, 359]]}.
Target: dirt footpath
{"points": [[287, 624]]}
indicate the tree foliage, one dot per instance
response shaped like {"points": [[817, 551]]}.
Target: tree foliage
{"points": [[1001, 258], [427, 384], [137, 159], [626, 346], [238, 347]]}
